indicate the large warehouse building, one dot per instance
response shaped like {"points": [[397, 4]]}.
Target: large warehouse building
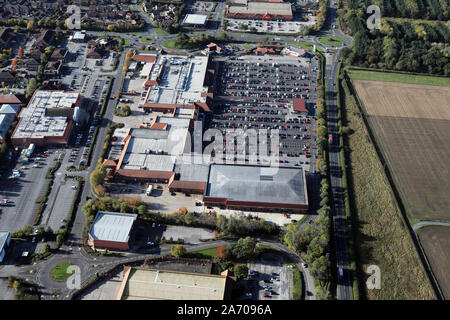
{"points": [[255, 188], [151, 284], [47, 120], [112, 230], [260, 10]]}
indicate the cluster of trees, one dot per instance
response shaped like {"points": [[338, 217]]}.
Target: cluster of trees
{"points": [[184, 41], [416, 9], [321, 16], [127, 62], [172, 26], [132, 205], [123, 111], [242, 226], [403, 45], [97, 177], [23, 290]]}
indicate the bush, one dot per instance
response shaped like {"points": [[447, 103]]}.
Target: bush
{"points": [[178, 250], [240, 270]]}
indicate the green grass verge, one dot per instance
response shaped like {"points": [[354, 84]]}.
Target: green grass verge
{"points": [[398, 77], [126, 43], [59, 272], [147, 39], [160, 31], [297, 290], [331, 41], [304, 45], [171, 45]]}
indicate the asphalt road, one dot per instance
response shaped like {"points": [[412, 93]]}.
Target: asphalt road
{"points": [[344, 286]]}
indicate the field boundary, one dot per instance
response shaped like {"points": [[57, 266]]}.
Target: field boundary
{"points": [[405, 73], [386, 170]]}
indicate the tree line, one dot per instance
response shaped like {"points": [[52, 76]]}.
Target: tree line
{"points": [[415, 9], [313, 241]]}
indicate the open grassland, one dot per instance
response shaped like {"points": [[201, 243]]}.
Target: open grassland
{"points": [[381, 234], [398, 77], [411, 124], [435, 241]]}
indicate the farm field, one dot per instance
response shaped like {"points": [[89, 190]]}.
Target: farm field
{"points": [[435, 241], [398, 77], [411, 124], [381, 235]]}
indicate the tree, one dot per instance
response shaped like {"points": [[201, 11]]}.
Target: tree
{"points": [[178, 250], [321, 293], [142, 209], [189, 218], [98, 175], [241, 270], [244, 248], [223, 252], [31, 87], [30, 25]]}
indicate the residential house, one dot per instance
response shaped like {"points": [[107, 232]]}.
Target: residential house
{"points": [[45, 39], [7, 77], [59, 55], [53, 68], [6, 35], [94, 53]]}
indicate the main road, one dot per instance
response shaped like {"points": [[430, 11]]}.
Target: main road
{"points": [[344, 285]]}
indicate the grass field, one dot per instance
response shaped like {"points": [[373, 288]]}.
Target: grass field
{"points": [[203, 254], [304, 45], [59, 272], [160, 31], [411, 124], [331, 41], [298, 285], [398, 77], [435, 241], [170, 44], [382, 236], [147, 39]]}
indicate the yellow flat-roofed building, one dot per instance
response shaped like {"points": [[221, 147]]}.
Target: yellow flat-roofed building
{"points": [[152, 284]]}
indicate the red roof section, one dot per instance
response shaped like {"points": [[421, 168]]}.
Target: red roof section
{"points": [[9, 98], [159, 126], [144, 58], [144, 174], [188, 185], [299, 105]]}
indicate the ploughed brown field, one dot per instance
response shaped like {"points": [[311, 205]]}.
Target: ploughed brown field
{"points": [[435, 241], [411, 124]]}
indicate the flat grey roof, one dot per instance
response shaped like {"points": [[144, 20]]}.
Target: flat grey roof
{"points": [[112, 226], [195, 19], [257, 184], [194, 172]]}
